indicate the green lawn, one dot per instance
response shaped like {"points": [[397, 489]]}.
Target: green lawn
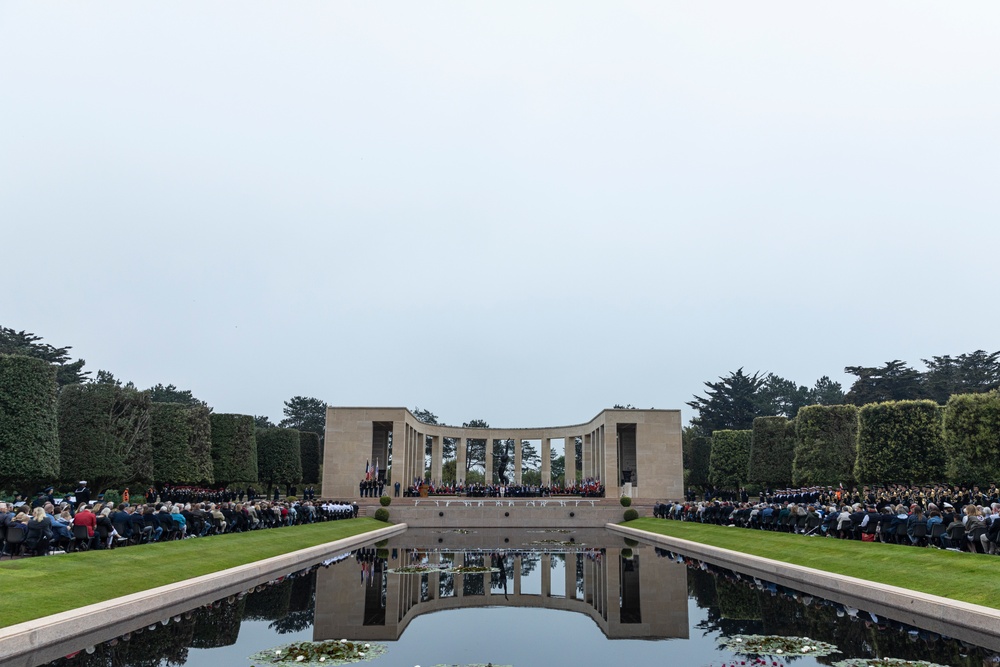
{"points": [[958, 576], [36, 587]]}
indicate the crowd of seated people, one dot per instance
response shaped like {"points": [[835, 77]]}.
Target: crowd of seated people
{"points": [[48, 529], [915, 516], [589, 488]]}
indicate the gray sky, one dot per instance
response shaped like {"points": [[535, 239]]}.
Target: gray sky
{"points": [[521, 212]]}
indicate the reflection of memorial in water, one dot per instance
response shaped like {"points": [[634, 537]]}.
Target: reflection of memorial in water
{"points": [[629, 593]]}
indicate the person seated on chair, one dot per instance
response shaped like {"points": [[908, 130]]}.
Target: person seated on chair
{"points": [[84, 517], [39, 532], [106, 527]]}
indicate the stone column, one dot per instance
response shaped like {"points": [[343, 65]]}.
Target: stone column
{"points": [[570, 576], [460, 459], [546, 575], [489, 459], [588, 455], [437, 454], [547, 461], [517, 575], [517, 460]]}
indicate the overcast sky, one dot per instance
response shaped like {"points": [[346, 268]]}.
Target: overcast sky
{"points": [[522, 212]]}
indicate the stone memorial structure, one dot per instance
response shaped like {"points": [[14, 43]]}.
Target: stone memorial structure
{"points": [[636, 452]]}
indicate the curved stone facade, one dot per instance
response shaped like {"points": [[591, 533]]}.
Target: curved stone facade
{"points": [[641, 445]]}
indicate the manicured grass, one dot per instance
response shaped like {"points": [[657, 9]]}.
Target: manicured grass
{"points": [[34, 587], [967, 577]]}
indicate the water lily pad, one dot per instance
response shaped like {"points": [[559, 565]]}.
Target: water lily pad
{"points": [[776, 645], [417, 569], [471, 569], [318, 654], [892, 662]]}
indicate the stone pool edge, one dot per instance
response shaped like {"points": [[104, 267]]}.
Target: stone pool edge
{"points": [[962, 620], [42, 639]]}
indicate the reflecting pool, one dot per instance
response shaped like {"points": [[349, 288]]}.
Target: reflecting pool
{"points": [[522, 598]]}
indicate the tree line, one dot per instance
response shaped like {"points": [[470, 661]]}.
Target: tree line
{"points": [[58, 425], [894, 425]]}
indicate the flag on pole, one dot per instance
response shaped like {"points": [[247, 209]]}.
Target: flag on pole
{"points": [[368, 470], [376, 468]]}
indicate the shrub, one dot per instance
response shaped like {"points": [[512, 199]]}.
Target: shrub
{"points": [[972, 437], [899, 441], [631, 514], [181, 435], [385, 501], [309, 451], [112, 497], [730, 458], [698, 451], [29, 434], [826, 445], [104, 434], [234, 448], [771, 452], [279, 456], [381, 514], [625, 501]]}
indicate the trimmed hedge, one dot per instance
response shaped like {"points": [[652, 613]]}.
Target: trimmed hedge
{"points": [[625, 501], [385, 501], [972, 438], [29, 433], [381, 514], [631, 514], [730, 458], [771, 452], [826, 445], [900, 441], [234, 448], [279, 457], [309, 452], [699, 455], [182, 443]]}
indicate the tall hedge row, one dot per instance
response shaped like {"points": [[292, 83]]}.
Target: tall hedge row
{"points": [[972, 438], [309, 451], [697, 450], [182, 443], [279, 456], [771, 452], [234, 448], [826, 445], [104, 434], [29, 434], [730, 458], [900, 441]]}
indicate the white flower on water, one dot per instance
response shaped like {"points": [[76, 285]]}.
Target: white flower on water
{"points": [[778, 651], [343, 641], [738, 641], [368, 645], [277, 651], [322, 658], [361, 654], [300, 658]]}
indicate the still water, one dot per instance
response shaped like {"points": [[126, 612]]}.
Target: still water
{"points": [[549, 598]]}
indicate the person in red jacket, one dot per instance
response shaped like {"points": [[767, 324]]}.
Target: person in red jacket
{"points": [[84, 517]]}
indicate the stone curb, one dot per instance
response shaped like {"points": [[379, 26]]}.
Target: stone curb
{"points": [[962, 620], [44, 639]]}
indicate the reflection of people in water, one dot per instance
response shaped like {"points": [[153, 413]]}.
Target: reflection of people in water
{"points": [[498, 561]]}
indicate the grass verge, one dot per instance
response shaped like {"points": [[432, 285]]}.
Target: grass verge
{"points": [[957, 576], [37, 587]]}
